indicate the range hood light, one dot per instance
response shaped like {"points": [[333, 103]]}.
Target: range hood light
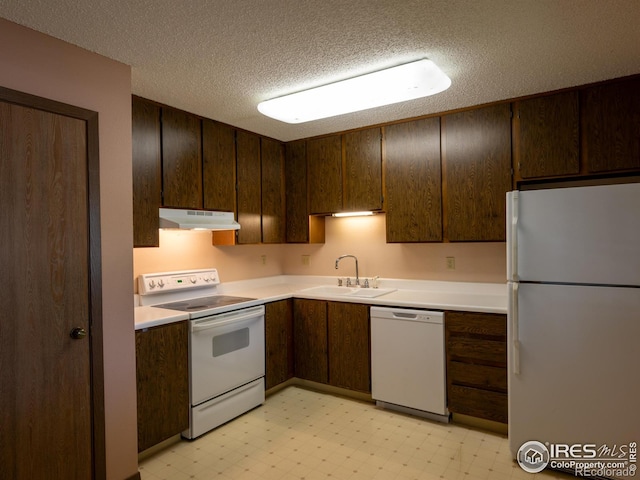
{"points": [[197, 220], [393, 85], [352, 214]]}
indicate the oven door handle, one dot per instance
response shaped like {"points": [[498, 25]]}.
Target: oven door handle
{"points": [[197, 325]]}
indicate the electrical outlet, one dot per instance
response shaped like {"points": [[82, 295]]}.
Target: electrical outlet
{"points": [[264, 259], [306, 260], [451, 263]]}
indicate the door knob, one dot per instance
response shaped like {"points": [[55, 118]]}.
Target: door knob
{"points": [[78, 333]]}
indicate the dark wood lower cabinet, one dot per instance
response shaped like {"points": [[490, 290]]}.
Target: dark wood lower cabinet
{"points": [[310, 338], [162, 370], [349, 346], [278, 323], [332, 343], [476, 346]]}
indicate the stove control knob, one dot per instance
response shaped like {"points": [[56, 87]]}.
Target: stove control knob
{"points": [[161, 283], [152, 284], [193, 279], [207, 279], [212, 277]]}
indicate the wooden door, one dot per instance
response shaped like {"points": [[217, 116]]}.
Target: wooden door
{"points": [[611, 126], [301, 227], [278, 322], [363, 170], [249, 190], [50, 259], [413, 181], [545, 137], [477, 173], [324, 163], [349, 346], [162, 374], [310, 340], [273, 200], [219, 166], [147, 172], [181, 159]]}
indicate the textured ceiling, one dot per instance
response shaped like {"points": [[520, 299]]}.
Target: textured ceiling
{"points": [[220, 58]]}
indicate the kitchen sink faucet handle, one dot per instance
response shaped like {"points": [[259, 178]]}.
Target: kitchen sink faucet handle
{"points": [[348, 281], [366, 283]]}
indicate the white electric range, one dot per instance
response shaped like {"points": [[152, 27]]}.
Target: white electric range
{"points": [[226, 344]]}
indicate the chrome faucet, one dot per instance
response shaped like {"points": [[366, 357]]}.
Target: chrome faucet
{"points": [[356, 259]]}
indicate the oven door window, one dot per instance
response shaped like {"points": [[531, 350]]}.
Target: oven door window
{"points": [[230, 342]]}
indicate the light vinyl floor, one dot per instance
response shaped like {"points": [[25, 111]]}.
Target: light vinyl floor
{"points": [[305, 435]]}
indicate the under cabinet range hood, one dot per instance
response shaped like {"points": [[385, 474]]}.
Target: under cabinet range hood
{"points": [[197, 219]]}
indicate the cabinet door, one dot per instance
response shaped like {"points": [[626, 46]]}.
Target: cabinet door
{"points": [[219, 166], [413, 181], [147, 168], [349, 346], [324, 161], [279, 342], [249, 195], [477, 162], [310, 339], [297, 198], [611, 126], [162, 370], [363, 170], [301, 227], [546, 136], [181, 159], [273, 199]]}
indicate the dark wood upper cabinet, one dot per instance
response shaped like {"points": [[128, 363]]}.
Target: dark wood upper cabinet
{"points": [[611, 126], [413, 181], [545, 137], [181, 159], [301, 227], [147, 172], [477, 163], [363, 170], [219, 166], [324, 163], [296, 184], [273, 191], [249, 187]]}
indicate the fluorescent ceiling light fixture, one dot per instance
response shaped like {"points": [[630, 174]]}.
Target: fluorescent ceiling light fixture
{"points": [[351, 214], [397, 84]]}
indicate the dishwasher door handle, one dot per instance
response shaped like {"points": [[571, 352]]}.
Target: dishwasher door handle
{"points": [[405, 316]]}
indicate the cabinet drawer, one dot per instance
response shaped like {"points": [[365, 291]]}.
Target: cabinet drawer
{"points": [[482, 351], [479, 376], [478, 403], [477, 324]]}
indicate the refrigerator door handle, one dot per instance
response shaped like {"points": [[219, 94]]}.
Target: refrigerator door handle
{"points": [[515, 334], [512, 235]]}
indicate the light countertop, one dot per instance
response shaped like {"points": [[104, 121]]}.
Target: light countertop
{"points": [[424, 294]]}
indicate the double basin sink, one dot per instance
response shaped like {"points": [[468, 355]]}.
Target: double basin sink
{"points": [[335, 291]]}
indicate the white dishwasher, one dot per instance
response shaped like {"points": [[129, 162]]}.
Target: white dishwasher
{"points": [[408, 361]]}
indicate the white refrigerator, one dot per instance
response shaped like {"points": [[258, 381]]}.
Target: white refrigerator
{"points": [[573, 268]]}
